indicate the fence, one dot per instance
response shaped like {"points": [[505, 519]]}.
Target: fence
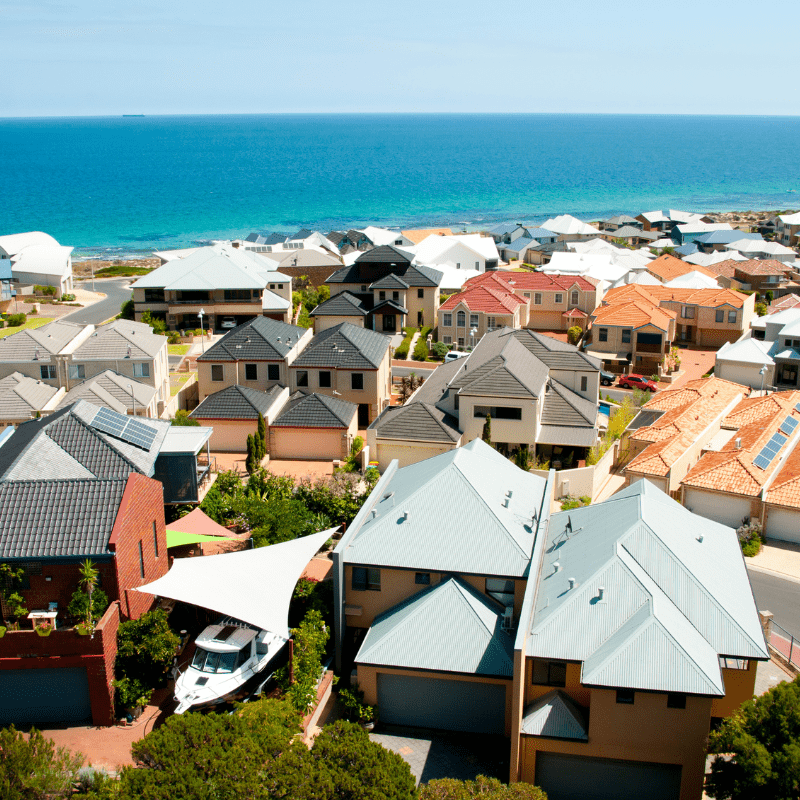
{"points": [[583, 481], [784, 643]]}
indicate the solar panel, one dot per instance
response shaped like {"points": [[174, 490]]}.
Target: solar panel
{"points": [[788, 425], [121, 427], [761, 462]]}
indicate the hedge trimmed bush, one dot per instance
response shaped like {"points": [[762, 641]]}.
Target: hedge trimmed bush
{"points": [[15, 320], [403, 347]]}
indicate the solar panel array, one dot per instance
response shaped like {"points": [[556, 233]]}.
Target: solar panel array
{"points": [[788, 425], [125, 428], [769, 451]]}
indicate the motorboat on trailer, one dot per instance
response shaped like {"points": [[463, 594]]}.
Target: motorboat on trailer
{"points": [[228, 654]]}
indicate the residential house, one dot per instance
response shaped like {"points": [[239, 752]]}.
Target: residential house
{"points": [[465, 317], [263, 242], [746, 361], [233, 414], [691, 231], [37, 259], [64, 354], [507, 232], [620, 221], [540, 393], [347, 362], [784, 302], [528, 248], [23, 398], [313, 426], [7, 293], [256, 355], [570, 229], [228, 285], [757, 248], [51, 524], [348, 307], [419, 297], [540, 254], [631, 235], [666, 220], [117, 392], [667, 268], [464, 251], [313, 263], [782, 501], [530, 634], [666, 438], [418, 235], [787, 228], [716, 240], [350, 241], [730, 484], [760, 275]]}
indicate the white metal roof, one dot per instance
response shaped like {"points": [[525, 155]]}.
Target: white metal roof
{"points": [[567, 224], [14, 242], [185, 439]]}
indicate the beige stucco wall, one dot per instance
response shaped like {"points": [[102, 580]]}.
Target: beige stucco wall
{"points": [[503, 430], [233, 373], [230, 436], [572, 380], [323, 322], [312, 444], [455, 331], [740, 685], [384, 451], [428, 303]]}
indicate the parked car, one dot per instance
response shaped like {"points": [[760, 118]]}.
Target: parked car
{"points": [[228, 322], [637, 382], [453, 355], [607, 378]]}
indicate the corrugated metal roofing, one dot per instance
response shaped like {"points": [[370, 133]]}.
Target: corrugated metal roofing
{"points": [[449, 627], [555, 715]]}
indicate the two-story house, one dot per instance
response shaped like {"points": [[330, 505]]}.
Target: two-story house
{"points": [[37, 259], [466, 316], [572, 634], [228, 285], [787, 229]]}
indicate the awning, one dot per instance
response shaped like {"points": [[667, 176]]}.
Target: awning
{"points": [[198, 522], [255, 586], [178, 538], [619, 356]]}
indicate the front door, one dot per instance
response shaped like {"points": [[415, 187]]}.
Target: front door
{"points": [[363, 415], [787, 375], [420, 319], [389, 323]]}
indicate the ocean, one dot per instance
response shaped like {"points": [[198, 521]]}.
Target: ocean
{"points": [[124, 186]]}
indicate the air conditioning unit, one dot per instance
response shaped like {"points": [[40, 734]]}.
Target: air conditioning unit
{"points": [[508, 618]]}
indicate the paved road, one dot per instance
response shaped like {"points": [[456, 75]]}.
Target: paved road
{"points": [[117, 293], [781, 597]]}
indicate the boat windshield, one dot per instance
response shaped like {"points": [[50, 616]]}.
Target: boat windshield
{"points": [[217, 662]]}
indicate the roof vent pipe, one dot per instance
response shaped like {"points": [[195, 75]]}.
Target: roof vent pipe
{"points": [[556, 566], [505, 502], [700, 538], [572, 583], [601, 590], [374, 513], [405, 516], [738, 443]]}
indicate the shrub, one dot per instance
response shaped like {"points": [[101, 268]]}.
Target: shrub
{"points": [[130, 693], [355, 709], [770, 295], [568, 503], [761, 309], [522, 457], [440, 350], [127, 310], [574, 334], [15, 320], [67, 298], [310, 639], [158, 325], [145, 648], [750, 538], [402, 349], [482, 787], [47, 291], [183, 419], [173, 337], [79, 604], [421, 351]]}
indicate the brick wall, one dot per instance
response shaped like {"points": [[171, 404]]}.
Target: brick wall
{"points": [[142, 505]]}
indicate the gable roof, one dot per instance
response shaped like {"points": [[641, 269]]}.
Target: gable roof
{"points": [[472, 533], [343, 304], [486, 299], [784, 302], [555, 715], [525, 280], [344, 346], [385, 254], [416, 421], [562, 406], [21, 396], [315, 411], [667, 267], [258, 339], [237, 402], [390, 281], [120, 339], [708, 298], [419, 234], [767, 266], [556, 354], [416, 275], [110, 389], [410, 635], [675, 595], [49, 339], [633, 314]]}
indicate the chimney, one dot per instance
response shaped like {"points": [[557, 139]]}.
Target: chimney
{"points": [[700, 538]]}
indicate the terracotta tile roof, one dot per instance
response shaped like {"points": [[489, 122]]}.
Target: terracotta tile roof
{"points": [[782, 303], [688, 411], [633, 314], [526, 281], [708, 298], [485, 298], [731, 470], [667, 267], [785, 489], [723, 269], [575, 312], [755, 266], [419, 234]]}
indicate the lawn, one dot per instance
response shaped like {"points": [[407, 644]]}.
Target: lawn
{"points": [[36, 322], [178, 349], [121, 272], [177, 381]]}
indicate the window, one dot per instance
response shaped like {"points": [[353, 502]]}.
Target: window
{"points": [[503, 412], [676, 700], [422, 578], [363, 287], [477, 265], [527, 294], [77, 372], [273, 372], [302, 377], [251, 372], [237, 294], [141, 370], [584, 383], [501, 590], [479, 412], [537, 298], [573, 298], [720, 315], [549, 673], [141, 559], [491, 322], [48, 372], [461, 319], [357, 381], [381, 296], [217, 372], [272, 286], [473, 320], [458, 265], [732, 316], [447, 339], [460, 341], [325, 379], [366, 579], [395, 296], [447, 320], [626, 336], [154, 296], [602, 334], [155, 539], [420, 293], [687, 312], [559, 298], [626, 696]]}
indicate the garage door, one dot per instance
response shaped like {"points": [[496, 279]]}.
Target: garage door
{"points": [[229, 437], [722, 508], [305, 443], [575, 778], [44, 695], [440, 703], [783, 524]]}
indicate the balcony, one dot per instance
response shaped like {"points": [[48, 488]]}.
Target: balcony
{"points": [[650, 348]]}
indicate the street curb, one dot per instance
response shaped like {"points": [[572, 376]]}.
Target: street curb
{"points": [[775, 574]]}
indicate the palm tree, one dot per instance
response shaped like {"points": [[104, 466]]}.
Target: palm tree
{"points": [[408, 385], [89, 576]]}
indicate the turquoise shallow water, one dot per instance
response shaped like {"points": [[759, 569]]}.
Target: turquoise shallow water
{"points": [[129, 185]]}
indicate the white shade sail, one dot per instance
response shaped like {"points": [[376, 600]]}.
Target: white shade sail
{"points": [[255, 586]]}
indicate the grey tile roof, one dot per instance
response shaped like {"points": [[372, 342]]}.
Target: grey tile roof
{"points": [[21, 396], [449, 627], [259, 339], [386, 254], [110, 389], [237, 402], [112, 341], [562, 406], [49, 339], [554, 353], [315, 411], [418, 422], [344, 346], [390, 281], [344, 304], [415, 276], [57, 518], [392, 304], [473, 532]]}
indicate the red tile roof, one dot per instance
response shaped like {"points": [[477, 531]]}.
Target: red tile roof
{"points": [[755, 266], [782, 303], [484, 298], [709, 298], [667, 267], [526, 281], [633, 314]]}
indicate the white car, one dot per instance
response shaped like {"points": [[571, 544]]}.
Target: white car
{"points": [[453, 355], [228, 322]]}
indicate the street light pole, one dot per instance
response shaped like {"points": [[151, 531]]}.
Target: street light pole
{"points": [[202, 332], [133, 397]]}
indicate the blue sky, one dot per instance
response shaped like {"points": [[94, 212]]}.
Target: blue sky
{"points": [[92, 57]]}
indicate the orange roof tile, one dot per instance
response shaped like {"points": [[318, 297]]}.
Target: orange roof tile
{"points": [[419, 234], [634, 314], [785, 489], [782, 303], [709, 298], [723, 269], [485, 298], [667, 267], [758, 266]]}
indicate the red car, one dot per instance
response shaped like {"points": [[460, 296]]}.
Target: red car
{"points": [[636, 382]]}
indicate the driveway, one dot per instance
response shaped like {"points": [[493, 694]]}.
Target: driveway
{"points": [[439, 754], [116, 291]]}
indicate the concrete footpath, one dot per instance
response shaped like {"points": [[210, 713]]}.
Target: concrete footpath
{"points": [[779, 558]]}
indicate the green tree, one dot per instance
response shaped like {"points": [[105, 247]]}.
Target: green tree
{"points": [[761, 309], [761, 747], [487, 430], [251, 462], [145, 648], [439, 350], [183, 419], [574, 334], [32, 768], [261, 436], [300, 682], [770, 295], [88, 607], [10, 580], [522, 457], [127, 310], [482, 787], [156, 323]]}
